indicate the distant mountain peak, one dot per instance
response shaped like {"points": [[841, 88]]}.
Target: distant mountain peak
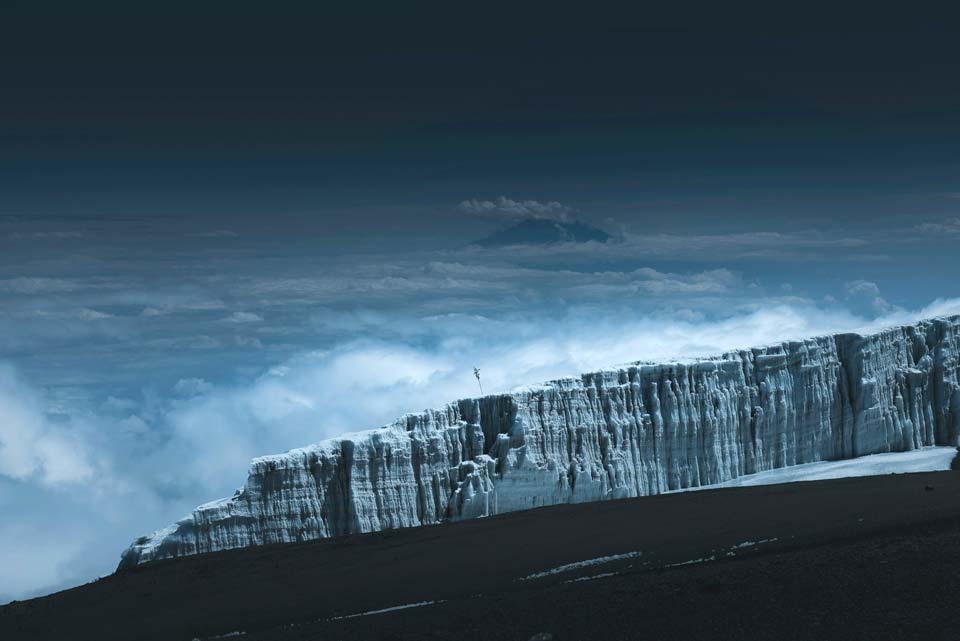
{"points": [[542, 231]]}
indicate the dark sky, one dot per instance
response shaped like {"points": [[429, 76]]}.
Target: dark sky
{"points": [[388, 110]]}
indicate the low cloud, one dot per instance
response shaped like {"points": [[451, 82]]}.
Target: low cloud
{"points": [[83, 313], [31, 446], [41, 285], [115, 405], [150, 312], [190, 387], [216, 233], [47, 235], [172, 303], [65, 290], [485, 284], [244, 317], [776, 247], [864, 298], [509, 208], [946, 227]]}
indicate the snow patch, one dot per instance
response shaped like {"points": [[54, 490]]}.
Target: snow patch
{"points": [[394, 608], [228, 635], [592, 577], [570, 567], [706, 559]]}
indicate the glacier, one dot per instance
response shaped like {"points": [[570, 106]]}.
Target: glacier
{"points": [[637, 430]]}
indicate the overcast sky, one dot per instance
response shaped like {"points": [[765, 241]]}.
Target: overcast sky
{"points": [[221, 238]]}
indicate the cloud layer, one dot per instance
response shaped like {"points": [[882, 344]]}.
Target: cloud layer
{"points": [[32, 447], [517, 209]]}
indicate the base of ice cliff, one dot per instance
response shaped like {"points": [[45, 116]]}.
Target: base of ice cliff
{"points": [[635, 431]]}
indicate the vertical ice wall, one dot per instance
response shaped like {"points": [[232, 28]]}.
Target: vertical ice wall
{"points": [[629, 432]]}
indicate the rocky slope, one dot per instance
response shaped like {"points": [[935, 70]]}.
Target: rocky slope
{"points": [[635, 431]]}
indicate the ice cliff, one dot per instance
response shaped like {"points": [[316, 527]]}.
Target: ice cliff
{"points": [[634, 431]]}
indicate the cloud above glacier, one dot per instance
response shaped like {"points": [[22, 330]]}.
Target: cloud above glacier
{"points": [[864, 296], [517, 209], [945, 227]]}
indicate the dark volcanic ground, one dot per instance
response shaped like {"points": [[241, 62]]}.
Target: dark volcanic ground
{"points": [[862, 558]]}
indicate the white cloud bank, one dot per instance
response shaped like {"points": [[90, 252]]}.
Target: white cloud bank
{"points": [[510, 208], [32, 447]]}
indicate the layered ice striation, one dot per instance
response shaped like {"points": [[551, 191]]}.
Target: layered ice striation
{"points": [[633, 431]]}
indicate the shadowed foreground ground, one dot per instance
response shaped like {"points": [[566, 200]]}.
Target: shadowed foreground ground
{"points": [[871, 557]]}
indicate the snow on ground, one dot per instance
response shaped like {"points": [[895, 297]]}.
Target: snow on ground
{"points": [[578, 565], [750, 544], [928, 459], [228, 635], [703, 559], [593, 577], [406, 606]]}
